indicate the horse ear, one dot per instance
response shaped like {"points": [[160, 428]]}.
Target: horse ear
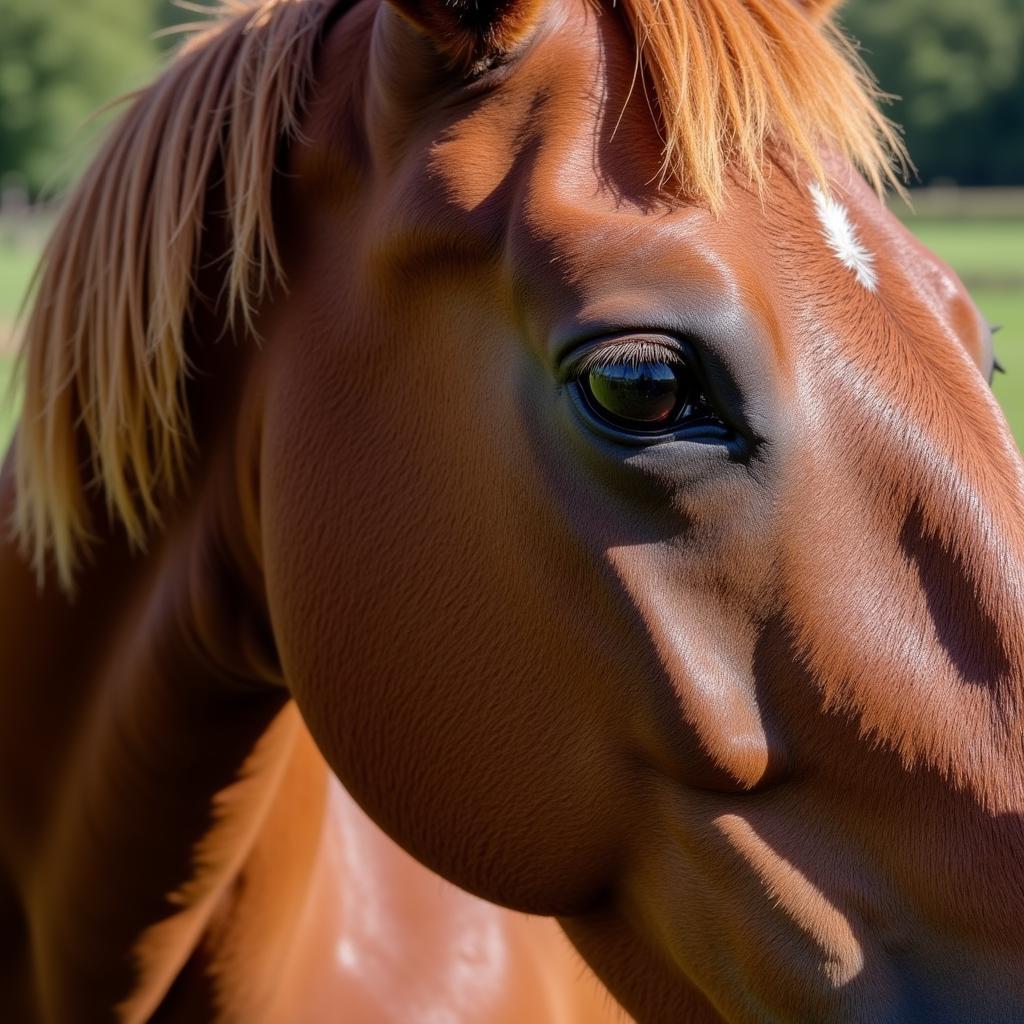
{"points": [[819, 10], [471, 32]]}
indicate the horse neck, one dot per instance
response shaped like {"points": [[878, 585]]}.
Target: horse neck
{"points": [[149, 720]]}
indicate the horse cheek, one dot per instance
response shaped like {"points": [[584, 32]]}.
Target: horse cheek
{"points": [[405, 566]]}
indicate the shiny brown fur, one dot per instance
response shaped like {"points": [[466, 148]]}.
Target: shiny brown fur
{"points": [[746, 720]]}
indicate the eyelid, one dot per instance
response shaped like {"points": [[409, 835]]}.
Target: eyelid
{"points": [[625, 350]]}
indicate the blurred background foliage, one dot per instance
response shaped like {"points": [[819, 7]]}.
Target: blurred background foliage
{"points": [[60, 60], [957, 70]]}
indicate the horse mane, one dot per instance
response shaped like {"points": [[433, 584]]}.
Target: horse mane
{"points": [[103, 350], [103, 353]]}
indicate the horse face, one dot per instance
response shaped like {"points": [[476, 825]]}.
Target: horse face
{"points": [[650, 568]]}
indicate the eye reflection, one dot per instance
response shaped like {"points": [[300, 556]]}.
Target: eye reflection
{"points": [[644, 397]]}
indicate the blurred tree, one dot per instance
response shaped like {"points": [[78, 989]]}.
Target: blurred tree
{"points": [[60, 60], [958, 69]]}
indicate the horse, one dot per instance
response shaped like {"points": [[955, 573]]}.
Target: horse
{"points": [[506, 526]]}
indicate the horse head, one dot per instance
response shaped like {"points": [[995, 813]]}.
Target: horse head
{"points": [[639, 536]]}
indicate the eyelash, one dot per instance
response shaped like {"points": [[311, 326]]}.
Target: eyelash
{"points": [[627, 353]]}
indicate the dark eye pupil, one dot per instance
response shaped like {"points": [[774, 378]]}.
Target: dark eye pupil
{"points": [[641, 396]]}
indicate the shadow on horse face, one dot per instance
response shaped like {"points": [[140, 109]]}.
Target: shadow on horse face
{"points": [[699, 686]]}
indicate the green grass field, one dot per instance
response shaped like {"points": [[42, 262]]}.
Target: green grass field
{"points": [[16, 261], [987, 253], [20, 244], [18, 254], [983, 252], [8, 403]]}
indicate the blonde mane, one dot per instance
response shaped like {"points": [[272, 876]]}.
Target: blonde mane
{"points": [[735, 79], [103, 356]]}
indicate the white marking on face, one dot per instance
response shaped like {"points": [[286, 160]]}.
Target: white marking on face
{"points": [[842, 238]]}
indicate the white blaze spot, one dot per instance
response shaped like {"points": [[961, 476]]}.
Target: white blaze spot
{"points": [[842, 238], [347, 955]]}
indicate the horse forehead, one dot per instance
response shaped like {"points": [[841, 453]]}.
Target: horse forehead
{"points": [[549, 156], [882, 255], [558, 118]]}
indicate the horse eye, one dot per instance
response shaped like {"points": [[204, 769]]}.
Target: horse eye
{"points": [[641, 397]]}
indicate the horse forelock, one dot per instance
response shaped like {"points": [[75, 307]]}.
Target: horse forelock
{"points": [[733, 82], [104, 356]]}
